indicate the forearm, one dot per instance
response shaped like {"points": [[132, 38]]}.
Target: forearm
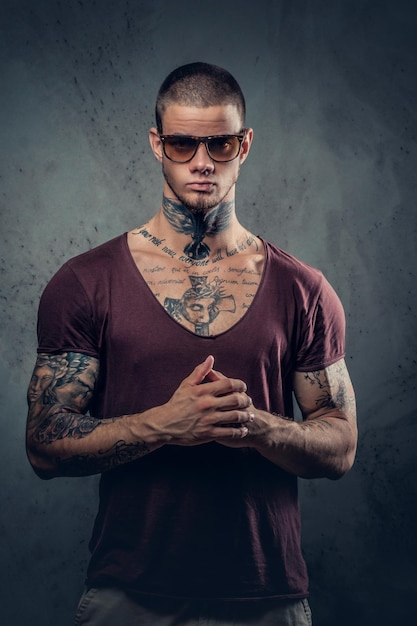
{"points": [[323, 447], [63, 441], [69, 444]]}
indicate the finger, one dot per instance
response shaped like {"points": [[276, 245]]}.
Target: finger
{"points": [[235, 400], [238, 419], [224, 433], [231, 419], [200, 372], [215, 375], [225, 387]]}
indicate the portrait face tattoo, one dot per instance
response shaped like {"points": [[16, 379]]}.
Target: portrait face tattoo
{"points": [[200, 305]]}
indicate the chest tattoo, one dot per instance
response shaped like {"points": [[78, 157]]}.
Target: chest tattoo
{"points": [[200, 304], [205, 292]]}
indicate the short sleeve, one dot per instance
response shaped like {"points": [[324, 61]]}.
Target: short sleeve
{"points": [[322, 340], [65, 318]]}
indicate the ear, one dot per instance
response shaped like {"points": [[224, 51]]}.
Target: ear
{"points": [[246, 144], [156, 144]]}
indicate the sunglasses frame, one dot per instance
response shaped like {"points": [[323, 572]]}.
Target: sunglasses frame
{"points": [[199, 140]]}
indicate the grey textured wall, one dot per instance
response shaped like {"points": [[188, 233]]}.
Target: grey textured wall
{"points": [[331, 91]]}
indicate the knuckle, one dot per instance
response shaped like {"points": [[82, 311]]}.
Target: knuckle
{"points": [[228, 387], [235, 385], [240, 433], [244, 401], [204, 404]]}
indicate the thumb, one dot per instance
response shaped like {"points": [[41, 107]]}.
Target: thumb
{"points": [[201, 371]]}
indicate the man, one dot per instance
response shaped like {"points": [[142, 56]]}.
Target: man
{"points": [[184, 341]]}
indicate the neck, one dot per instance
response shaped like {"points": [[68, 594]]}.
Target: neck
{"points": [[198, 225]]}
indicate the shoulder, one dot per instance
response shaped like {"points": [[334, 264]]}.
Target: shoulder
{"points": [[73, 304], [314, 306], [305, 285], [105, 254], [93, 264], [292, 269], [80, 278]]}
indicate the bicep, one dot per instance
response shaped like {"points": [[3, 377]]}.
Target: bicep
{"points": [[326, 393], [64, 381]]}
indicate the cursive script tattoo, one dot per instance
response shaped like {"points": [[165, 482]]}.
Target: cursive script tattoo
{"points": [[197, 224], [119, 454], [219, 255]]}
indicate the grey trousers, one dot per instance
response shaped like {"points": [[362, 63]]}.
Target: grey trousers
{"points": [[115, 607]]}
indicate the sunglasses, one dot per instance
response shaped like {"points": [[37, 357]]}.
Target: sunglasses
{"points": [[220, 148]]}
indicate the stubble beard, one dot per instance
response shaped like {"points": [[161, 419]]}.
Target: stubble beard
{"points": [[201, 202]]}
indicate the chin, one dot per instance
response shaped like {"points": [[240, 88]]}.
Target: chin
{"points": [[201, 204]]}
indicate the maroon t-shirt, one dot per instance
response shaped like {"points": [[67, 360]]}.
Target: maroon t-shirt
{"points": [[206, 521]]}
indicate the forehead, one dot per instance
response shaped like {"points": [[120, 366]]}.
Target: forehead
{"points": [[200, 121]]}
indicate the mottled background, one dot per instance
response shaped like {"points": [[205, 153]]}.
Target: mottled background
{"points": [[331, 94]]}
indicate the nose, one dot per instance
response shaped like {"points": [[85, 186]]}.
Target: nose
{"points": [[201, 161]]}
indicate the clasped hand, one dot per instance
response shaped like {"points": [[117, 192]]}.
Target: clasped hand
{"points": [[198, 413]]}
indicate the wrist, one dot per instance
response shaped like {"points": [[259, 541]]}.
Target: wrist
{"points": [[144, 427], [272, 431]]}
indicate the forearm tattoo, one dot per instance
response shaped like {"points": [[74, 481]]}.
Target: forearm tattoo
{"points": [[104, 460], [64, 425], [59, 395]]}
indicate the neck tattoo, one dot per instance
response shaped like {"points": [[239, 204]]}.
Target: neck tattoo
{"points": [[197, 224]]}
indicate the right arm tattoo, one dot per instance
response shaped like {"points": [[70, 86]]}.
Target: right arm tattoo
{"points": [[59, 395], [119, 454], [61, 382]]}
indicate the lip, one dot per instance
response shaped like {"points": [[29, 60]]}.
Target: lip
{"points": [[201, 185]]}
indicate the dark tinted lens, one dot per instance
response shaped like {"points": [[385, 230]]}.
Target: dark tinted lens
{"points": [[224, 148], [180, 148]]}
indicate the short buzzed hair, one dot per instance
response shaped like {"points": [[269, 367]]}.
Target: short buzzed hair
{"points": [[199, 85]]}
